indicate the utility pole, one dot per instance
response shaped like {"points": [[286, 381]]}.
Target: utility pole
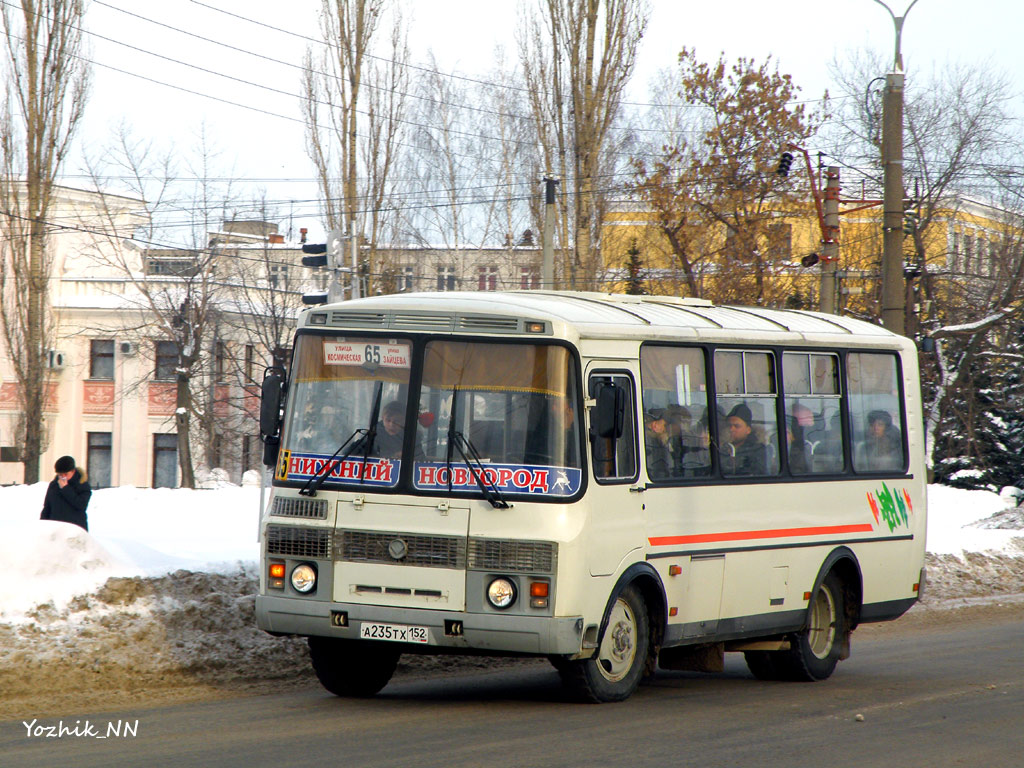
{"points": [[893, 288], [830, 241], [355, 290], [547, 268]]}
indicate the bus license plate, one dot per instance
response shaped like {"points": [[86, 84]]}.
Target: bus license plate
{"points": [[397, 633]]}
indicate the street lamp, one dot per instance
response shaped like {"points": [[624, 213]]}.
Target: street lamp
{"points": [[898, 22], [893, 282]]}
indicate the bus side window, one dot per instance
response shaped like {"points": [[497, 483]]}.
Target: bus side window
{"points": [[615, 459], [875, 412]]}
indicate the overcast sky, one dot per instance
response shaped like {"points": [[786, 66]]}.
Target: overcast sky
{"points": [[258, 140]]}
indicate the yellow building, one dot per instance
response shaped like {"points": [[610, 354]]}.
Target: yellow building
{"points": [[964, 247]]}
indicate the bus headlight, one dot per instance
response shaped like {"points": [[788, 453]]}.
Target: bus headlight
{"points": [[501, 593], [304, 577]]}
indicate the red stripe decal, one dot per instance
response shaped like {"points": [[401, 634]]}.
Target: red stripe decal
{"points": [[775, 533]]}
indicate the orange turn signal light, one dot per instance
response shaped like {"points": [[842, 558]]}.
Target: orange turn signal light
{"points": [[277, 570], [538, 589]]}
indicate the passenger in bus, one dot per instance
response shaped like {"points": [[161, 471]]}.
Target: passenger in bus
{"points": [[828, 449], [390, 431], [744, 454], [681, 437], [551, 437], [882, 447], [797, 446], [696, 459], [656, 442]]}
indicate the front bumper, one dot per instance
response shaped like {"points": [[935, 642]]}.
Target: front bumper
{"points": [[541, 635]]}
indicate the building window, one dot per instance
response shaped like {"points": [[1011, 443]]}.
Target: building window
{"points": [[101, 359], [216, 452], [165, 461], [220, 360], [166, 360], [250, 362], [181, 267], [487, 279], [10, 453], [248, 453], [529, 278], [406, 280], [277, 275], [98, 459], [446, 278]]}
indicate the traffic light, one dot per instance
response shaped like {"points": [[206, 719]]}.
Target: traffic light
{"points": [[784, 164], [317, 257], [911, 219]]}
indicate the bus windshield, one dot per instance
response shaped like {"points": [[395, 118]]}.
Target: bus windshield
{"points": [[515, 404], [503, 415], [347, 390]]}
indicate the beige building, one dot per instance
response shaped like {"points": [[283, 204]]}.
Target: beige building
{"points": [[512, 266], [111, 388]]}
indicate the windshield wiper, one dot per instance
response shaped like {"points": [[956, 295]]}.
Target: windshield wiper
{"points": [[476, 468], [456, 440], [371, 430], [366, 443], [313, 484]]}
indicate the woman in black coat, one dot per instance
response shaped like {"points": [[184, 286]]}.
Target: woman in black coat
{"points": [[67, 495]]}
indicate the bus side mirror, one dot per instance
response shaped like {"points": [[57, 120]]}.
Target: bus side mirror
{"points": [[609, 415], [271, 398]]}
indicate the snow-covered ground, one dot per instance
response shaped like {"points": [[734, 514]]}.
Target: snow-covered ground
{"points": [[159, 595], [135, 532]]}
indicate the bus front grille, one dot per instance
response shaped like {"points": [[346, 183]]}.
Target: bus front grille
{"points": [[315, 509], [512, 555], [401, 549], [292, 541]]}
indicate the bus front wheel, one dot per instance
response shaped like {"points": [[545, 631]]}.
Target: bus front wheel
{"points": [[351, 667], [614, 672]]}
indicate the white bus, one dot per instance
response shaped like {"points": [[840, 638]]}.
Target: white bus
{"points": [[611, 482]]}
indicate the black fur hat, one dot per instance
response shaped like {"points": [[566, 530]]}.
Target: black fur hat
{"points": [[65, 464]]}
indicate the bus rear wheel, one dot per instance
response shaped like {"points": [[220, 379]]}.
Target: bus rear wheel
{"points": [[614, 672], [352, 668], [814, 652]]}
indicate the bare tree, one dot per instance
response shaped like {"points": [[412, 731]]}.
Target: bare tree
{"points": [[578, 56], [173, 305], [964, 260], [388, 84], [46, 85], [353, 104]]}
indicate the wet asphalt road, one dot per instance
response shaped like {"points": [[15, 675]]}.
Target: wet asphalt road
{"points": [[936, 696]]}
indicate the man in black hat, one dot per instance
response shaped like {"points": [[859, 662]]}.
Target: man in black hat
{"points": [[67, 495], [743, 454], [659, 456]]}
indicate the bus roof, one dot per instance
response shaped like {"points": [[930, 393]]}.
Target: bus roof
{"points": [[591, 315]]}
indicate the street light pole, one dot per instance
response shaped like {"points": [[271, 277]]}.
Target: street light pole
{"points": [[893, 289]]}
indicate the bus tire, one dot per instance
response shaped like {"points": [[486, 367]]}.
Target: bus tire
{"points": [[352, 668], [762, 664], [614, 671], [814, 652]]}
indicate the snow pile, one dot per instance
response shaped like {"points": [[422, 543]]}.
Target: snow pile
{"points": [[961, 521], [132, 532]]}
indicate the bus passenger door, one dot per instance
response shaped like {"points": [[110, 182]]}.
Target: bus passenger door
{"points": [[614, 497]]}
